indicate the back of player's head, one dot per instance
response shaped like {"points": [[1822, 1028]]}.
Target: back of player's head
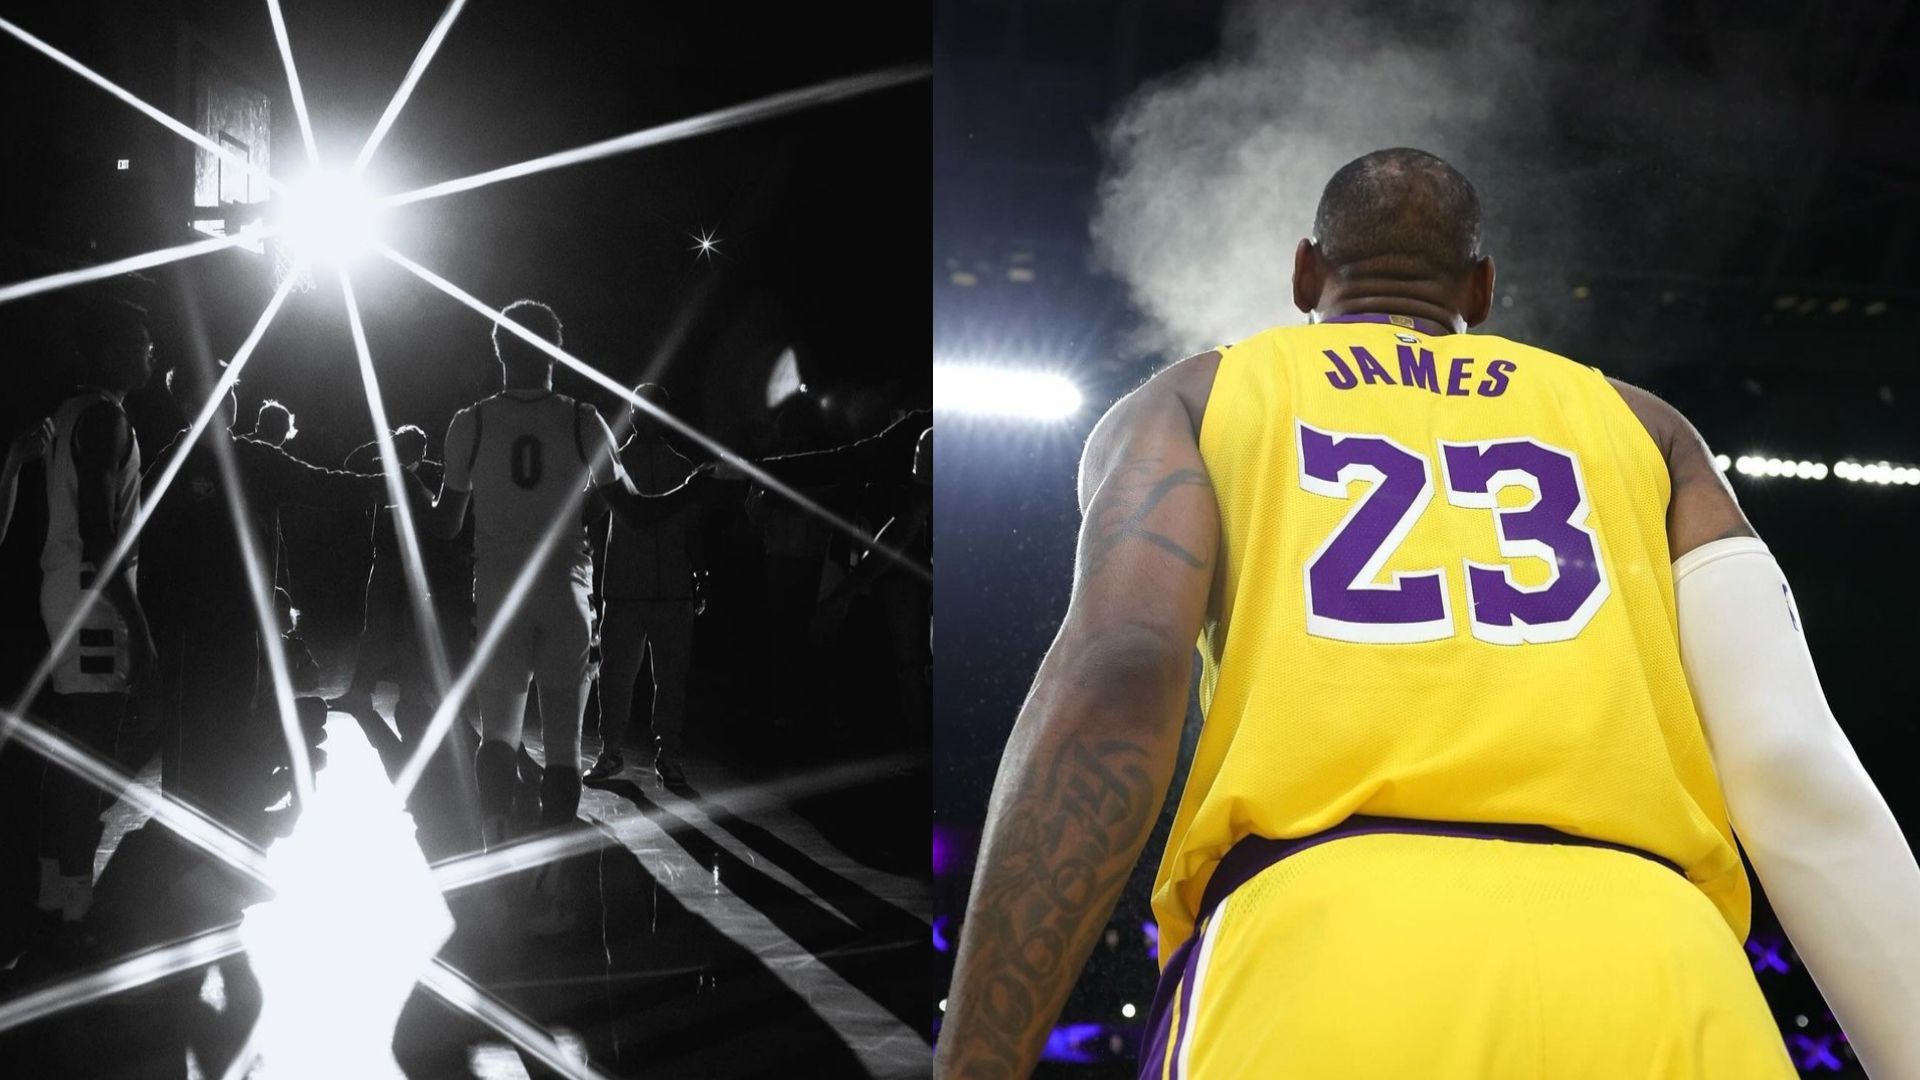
{"points": [[520, 358], [108, 334], [1400, 211], [274, 423], [655, 395], [409, 445]]}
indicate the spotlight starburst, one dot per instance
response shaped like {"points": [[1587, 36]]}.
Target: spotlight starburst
{"points": [[329, 218]]}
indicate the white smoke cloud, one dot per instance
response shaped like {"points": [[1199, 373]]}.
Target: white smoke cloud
{"points": [[1212, 174]]}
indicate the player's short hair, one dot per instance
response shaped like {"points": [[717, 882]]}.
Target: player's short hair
{"points": [[101, 324], [410, 442], [1401, 204], [268, 409], [654, 393], [514, 352]]}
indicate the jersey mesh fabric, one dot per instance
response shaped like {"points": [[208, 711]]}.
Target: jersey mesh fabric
{"points": [[61, 554], [532, 456], [1595, 735]]}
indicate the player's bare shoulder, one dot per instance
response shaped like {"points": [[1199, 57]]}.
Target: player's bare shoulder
{"points": [[1702, 507], [1659, 418], [1157, 421]]}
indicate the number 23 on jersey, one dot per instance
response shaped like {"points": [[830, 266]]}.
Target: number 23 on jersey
{"points": [[1346, 602]]}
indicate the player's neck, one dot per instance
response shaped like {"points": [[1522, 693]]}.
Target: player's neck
{"points": [[527, 388], [1378, 302], [117, 393]]}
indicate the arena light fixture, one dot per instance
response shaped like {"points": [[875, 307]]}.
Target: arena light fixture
{"points": [[704, 244], [329, 218], [1878, 472], [784, 382], [1755, 465], [1011, 393]]}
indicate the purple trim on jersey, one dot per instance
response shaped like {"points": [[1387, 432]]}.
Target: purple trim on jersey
{"points": [[1175, 978], [1253, 854], [1408, 322]]}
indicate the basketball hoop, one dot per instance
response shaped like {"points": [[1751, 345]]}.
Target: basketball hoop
{"points": [[285, 266]]}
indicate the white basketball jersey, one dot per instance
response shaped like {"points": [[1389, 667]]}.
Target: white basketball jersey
{"points": [[528, 455], [62, 553]]}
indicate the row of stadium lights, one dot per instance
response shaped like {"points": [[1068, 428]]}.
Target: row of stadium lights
{"points": [[1883, 473], [990, 391]]}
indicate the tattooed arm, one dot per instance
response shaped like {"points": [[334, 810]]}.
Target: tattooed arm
{"points": [[1092, 753]]}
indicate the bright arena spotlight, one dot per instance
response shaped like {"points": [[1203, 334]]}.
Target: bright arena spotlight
{"points": [[336, 959], [1012, 393], [1755, 465], [329, 218], [1879, 472]]}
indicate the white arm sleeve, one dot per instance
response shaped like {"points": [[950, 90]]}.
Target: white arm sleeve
{"points": [[1821, 839]]}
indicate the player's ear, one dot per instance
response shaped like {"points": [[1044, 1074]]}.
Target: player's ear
{"points": [[1478, 303], [1307, 275]]}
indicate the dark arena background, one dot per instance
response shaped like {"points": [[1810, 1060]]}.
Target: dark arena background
{"points": [[730, 228], [1717, 201]]}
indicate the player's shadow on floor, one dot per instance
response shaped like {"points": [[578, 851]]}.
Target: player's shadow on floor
{"points": [[647, 987], [642, 985], [876, 948]]}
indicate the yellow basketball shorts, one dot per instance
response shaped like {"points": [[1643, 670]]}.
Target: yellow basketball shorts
{"points": [[1387, 955]]}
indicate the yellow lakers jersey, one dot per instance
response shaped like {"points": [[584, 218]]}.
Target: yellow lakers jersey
{"points": [[1443, 592]]}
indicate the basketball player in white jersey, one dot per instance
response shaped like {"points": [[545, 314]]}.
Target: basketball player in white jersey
{"points": [[526, 458], [93, 488]]}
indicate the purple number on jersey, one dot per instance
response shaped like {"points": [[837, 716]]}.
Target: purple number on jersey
{"points": [[1343, 600], [1346, 603], [1550, 527]]}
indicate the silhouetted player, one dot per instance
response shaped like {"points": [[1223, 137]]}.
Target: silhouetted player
{"points": [[1448, 590], [217, 750], [273, 424], [526, 457], [648, 590], [93, 491]]}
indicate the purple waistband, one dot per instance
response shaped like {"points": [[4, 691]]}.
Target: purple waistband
{"points": [[1252, 854], [1410, 322]]}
